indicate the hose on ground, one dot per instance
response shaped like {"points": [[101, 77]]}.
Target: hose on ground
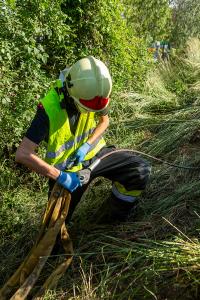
{"points": [[95, 163]]}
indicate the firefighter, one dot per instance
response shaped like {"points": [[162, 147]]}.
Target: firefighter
{"points": [[65, 119]]}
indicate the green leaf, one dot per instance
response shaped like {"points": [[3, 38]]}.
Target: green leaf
{"points": [[5, 100], [8, 56]]}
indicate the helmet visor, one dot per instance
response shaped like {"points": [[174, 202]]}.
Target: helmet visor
{"points": [[96, 104]]}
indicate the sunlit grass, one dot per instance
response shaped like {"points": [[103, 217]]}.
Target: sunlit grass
{"points": [[156, 253]]}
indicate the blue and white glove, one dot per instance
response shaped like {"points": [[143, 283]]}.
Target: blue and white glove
{"points": [[81, 153], [69, 180]]}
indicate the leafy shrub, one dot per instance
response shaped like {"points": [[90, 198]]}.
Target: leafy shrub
{"points": [[100, 29], [38, 38]]}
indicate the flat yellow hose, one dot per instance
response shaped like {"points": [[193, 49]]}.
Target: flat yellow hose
{"points": [[28, 272]]}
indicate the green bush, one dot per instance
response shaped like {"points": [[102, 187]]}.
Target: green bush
{"points": [[39, 38], [100, 29]]}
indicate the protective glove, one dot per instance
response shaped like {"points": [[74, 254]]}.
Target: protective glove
{"points": [[69, 181], [81, 153]]}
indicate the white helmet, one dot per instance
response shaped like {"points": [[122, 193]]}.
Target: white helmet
{"points": [[89, 83]]}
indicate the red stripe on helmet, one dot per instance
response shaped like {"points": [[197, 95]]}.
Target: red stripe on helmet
{"points": [[96, 103]]}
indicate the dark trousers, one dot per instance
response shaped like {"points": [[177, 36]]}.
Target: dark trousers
{"points": [[124, 167]]}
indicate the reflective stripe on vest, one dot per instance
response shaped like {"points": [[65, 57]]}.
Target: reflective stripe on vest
{"points": [[62, 166], [62, 143], [68, 145]]}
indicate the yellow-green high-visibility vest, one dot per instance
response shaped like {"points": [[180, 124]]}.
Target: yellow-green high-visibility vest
{"points": [[62, 143]]}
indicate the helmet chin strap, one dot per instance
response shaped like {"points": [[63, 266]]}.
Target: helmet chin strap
{"points": [[80, 109]]}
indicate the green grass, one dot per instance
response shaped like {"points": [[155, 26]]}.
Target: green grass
{"points": [[155, 254]]}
